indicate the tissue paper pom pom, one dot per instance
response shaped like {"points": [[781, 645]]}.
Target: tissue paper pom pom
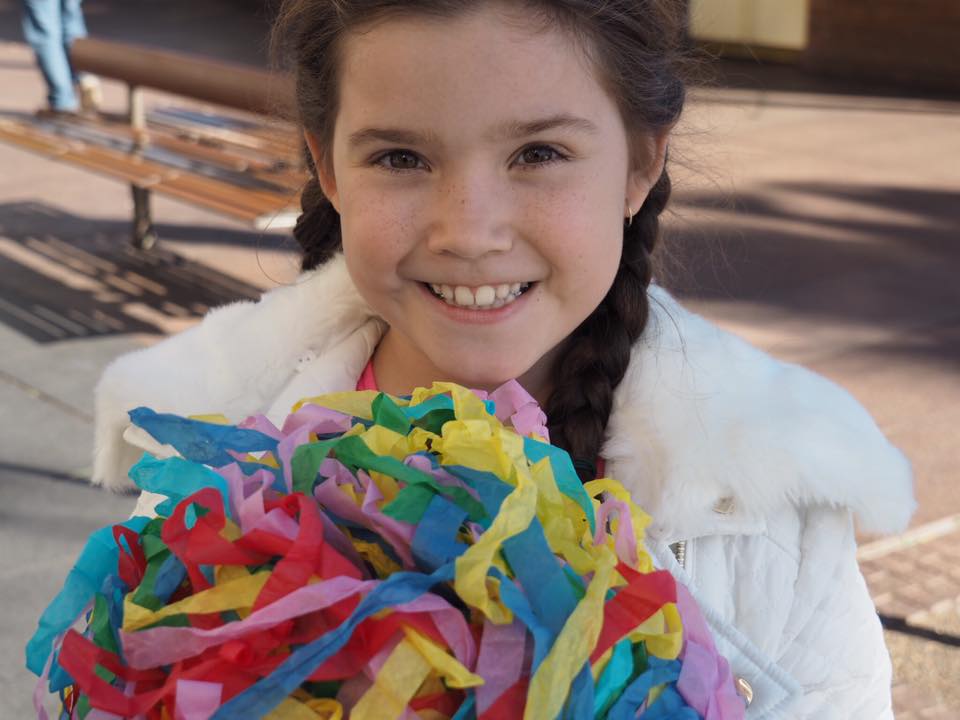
{"points": [[377, 557]]}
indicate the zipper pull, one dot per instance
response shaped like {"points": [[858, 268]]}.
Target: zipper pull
{"points": [[680, 552]]}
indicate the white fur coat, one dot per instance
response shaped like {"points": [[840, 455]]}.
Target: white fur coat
{"points": [[757, 465]]}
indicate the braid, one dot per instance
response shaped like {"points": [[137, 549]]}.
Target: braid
{"points": [[318, 228], [598, 351]]}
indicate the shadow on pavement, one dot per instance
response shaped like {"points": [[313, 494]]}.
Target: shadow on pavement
{"points": [[883, 256], [89, 281], [10, 29], [900, 625]]}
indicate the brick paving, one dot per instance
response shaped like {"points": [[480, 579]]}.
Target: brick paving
{"points": [[918, 585]]}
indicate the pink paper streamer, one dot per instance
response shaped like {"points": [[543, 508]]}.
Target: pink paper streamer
{"points": [[247, 503], [197, 699], [500, 662], [624, 541], [40, 689], [442, 476], [398, 534], [705, 682], [516, 406], [166, 645], [260, 423], [321, 420]]}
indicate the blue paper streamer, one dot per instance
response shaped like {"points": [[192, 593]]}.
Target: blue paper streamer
{"points": [[200, 441], [176, 478], [97, 560], [260, 698], [435, 540], [658, 673], [614, 677]]}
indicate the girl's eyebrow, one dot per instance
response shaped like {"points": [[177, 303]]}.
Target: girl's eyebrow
{"points": [[390, 135], [562, 121], [508, 130]]}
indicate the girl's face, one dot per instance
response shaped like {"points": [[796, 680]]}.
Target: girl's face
{"points": [[479, 159]]}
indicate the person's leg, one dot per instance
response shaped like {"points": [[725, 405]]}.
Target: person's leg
{"points": [[90, 94], [71, 20], [43, 31]]}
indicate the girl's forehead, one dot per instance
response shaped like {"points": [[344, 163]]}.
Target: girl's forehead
{"points": [[474, 67]]}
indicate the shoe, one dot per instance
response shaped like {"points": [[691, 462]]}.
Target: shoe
{"points": [[48, 113], [91, 94]]}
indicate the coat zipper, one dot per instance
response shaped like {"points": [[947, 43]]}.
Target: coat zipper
{"points": [[680, 552]]}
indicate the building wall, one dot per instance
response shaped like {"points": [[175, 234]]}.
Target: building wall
{"points": [[915, 42], [778, 24]]}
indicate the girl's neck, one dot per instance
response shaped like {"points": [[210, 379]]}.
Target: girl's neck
{"points": [[398, 372]]}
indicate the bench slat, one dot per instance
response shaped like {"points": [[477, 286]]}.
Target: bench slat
{"points": [[237, 86], [247, 205]]}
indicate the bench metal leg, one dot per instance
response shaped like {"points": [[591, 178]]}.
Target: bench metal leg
{"points": [[144, 234]]}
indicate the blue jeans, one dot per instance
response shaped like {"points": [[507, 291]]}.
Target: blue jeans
{"points": [[51, 26]]}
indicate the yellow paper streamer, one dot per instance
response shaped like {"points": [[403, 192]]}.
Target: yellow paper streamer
{"points": [[516, 512], [639, 519], [237, 594], [384, 441], [572, 648], [474, 444], [662, 631], [396, 684], [315, 709], [445, 665], [356, 404], [213, 419], [374, 554], [466, 405]]}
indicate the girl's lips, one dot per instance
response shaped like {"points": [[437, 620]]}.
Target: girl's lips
{"points": [[476, 316]]}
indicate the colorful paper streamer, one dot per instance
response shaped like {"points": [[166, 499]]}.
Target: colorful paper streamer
{"points": [[423, 557]]}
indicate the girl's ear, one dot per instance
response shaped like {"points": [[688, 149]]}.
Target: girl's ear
{"points": [[642, 177], [325, 176]]}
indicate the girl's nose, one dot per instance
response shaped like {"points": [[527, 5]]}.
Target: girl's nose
{"points": [[471, 219]]}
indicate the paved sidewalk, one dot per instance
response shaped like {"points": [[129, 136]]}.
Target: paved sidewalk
{"points": [[914, 580], [820, 225]]}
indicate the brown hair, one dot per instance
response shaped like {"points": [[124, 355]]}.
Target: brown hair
{"points": [[637, 47]]}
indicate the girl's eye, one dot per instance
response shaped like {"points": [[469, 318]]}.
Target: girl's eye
{"points": [[398, 160], [540, 155]]}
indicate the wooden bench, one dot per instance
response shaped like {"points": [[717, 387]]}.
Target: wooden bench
{"points": [[244, 162]]}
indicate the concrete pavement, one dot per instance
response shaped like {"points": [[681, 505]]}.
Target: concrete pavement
{"points": [[820, 223]]}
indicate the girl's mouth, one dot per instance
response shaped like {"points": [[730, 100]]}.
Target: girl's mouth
{"points": [[483, 297]]}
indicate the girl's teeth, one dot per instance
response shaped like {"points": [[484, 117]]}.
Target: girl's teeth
{"points": [[463, 295], [485, 296]]}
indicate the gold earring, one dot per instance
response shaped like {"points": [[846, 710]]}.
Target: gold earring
{"points": [[629, 216]]}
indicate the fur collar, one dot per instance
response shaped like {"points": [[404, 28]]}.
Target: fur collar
{"points": [[712, 436], [702, 422]]}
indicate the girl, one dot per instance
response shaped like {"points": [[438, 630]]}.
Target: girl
{"points": [[493, 173]]}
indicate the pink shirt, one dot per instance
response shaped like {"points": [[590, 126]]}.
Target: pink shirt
{"points": [[367, 379]]}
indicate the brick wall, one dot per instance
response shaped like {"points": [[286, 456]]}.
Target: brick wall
{"points": [[914, 42]]}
